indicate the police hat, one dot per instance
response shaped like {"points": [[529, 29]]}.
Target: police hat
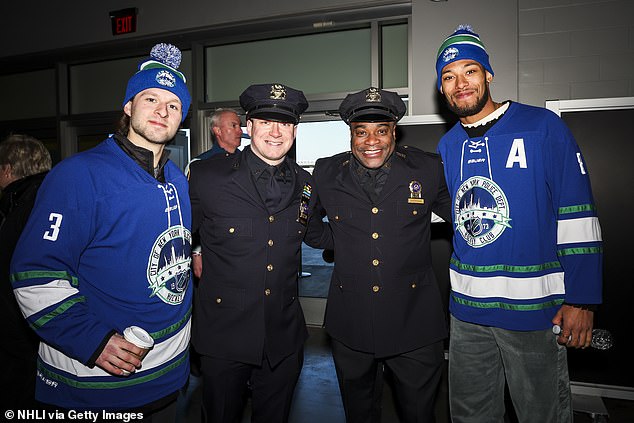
{"points": [[372, 105], [275, 102]]}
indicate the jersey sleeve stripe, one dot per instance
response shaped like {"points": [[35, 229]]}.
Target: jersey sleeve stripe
{"points": [[44, 274], [36, 298], [577, 209], [59, 310], [578, 251], [586, 229]]}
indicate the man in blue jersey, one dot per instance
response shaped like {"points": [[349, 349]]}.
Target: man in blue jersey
{"points": [[107, 246], [527, 246]]}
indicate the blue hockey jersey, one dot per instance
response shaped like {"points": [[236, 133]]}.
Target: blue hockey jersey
{"points": [[527, 237], [107, 246]]}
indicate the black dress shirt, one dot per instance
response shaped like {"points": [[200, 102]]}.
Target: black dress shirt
{"points": [[260, 172], [371, 180]]}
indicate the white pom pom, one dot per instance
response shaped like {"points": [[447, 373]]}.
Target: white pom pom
{"points": [[167, 54], [464, 27]]}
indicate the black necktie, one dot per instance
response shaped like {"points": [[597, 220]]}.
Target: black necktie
{"points": [[273, 192], [369, 183]]}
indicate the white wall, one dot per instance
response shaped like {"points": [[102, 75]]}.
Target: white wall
{"points": [[496, 23], [575, 49]]}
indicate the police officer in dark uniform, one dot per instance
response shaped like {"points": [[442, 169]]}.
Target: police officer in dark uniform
{"points": [[384, 305], [252, 211]]}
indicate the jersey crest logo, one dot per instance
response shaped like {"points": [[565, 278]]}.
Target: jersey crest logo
{"points": [[169, 264], [481, 211]]}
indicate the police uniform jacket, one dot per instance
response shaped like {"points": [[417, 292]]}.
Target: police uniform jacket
{"points": [[246, 302], [383, 297]]}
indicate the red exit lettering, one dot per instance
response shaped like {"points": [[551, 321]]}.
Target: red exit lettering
{"points": [[124, 24]]}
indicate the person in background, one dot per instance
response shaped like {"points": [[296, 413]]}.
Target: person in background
{"points": [[384, 305], [527, 246], [252, 211], [106, 247], [24, 161], [226, 134]]}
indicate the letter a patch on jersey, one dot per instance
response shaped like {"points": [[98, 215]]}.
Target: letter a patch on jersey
{"points": [[517, 154]]}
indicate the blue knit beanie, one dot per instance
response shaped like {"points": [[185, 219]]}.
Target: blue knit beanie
{"points": [[160, 71], [462, 44]]}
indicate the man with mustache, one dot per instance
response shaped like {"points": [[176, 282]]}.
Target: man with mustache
{"points": [[384, 305], [527, 246], [107, 246]]}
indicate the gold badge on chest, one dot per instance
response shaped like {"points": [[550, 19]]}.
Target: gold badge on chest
{"points": [[415, 193]]}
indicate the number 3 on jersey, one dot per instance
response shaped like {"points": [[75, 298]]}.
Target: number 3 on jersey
{"points": [[51, 235]]}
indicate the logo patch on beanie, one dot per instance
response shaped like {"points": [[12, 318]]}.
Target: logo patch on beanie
{"points": [[166, 78], [450, 54]]}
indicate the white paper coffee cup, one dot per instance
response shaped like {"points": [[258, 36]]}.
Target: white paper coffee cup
{"points": [[139, 337]]}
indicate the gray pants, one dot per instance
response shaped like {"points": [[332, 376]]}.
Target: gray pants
{"points": [[534, 366]]}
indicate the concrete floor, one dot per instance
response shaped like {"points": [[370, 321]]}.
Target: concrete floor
{"points": [[317, 398]]}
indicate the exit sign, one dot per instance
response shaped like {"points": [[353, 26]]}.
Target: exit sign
{"points": [[123, 21]]}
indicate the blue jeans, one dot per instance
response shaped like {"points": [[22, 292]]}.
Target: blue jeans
{"points": [[534, 366]]}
